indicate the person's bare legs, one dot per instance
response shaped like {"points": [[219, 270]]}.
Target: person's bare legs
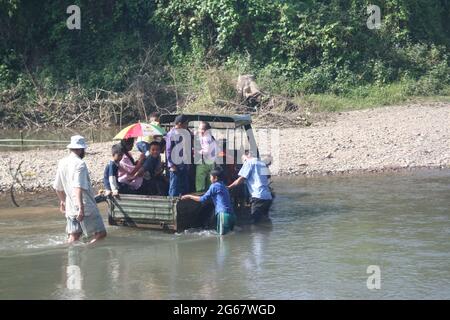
{"points": [[73, 237], [98, 236]]}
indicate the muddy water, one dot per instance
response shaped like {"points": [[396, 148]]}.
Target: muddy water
{"points": [[325, 233]]}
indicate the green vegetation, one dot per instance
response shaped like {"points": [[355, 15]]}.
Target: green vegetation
{"points": [[132, 57], [371, 96]]}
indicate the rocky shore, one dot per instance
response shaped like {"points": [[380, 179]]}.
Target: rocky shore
{"points": [[371, 140]]}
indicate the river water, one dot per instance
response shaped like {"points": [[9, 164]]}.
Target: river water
{"points": [[326, 232], [38, 139]]}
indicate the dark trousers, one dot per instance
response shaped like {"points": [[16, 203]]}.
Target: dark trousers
{"points": [[157, 186], [260, 208], [179, 182], [124, 188]]}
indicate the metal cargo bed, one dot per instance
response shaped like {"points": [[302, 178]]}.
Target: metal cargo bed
{"points": [[156, 212]]}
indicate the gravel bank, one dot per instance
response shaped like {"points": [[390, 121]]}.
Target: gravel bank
{"points": [[372, 140]]}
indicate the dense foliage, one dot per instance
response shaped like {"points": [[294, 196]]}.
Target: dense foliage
{"points": [[292, 47]]}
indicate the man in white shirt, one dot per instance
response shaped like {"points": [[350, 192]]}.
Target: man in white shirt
{"points": [[74, 190]]}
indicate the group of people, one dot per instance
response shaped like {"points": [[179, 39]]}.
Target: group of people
{"points": [[255, 174], [124, 174], [151, 176]]}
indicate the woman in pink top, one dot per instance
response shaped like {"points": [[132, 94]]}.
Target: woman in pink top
{"points": [[127, 167]]}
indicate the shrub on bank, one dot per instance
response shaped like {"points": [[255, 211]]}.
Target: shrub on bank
{"points": [[132, 57]]}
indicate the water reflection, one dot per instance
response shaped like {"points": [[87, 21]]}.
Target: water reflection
{"points": [[258, 237], [221, 253], [74, 276], [319, 247]]}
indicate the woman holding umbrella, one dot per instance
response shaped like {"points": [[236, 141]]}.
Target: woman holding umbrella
{"points": [[129, 172], [128, 169]]}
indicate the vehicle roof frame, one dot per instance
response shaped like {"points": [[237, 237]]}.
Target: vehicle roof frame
{"points": [[238, 120]]}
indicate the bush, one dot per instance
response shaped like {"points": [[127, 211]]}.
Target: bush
{"points": [[294, 48]]}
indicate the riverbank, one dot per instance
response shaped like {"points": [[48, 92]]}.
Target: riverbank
{"points": [[371, 140]]}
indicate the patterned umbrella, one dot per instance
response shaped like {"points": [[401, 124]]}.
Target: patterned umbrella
{"points": [[140, 130]]}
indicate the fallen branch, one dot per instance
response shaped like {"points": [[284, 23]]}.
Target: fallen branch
{"points": [[75, 119], [14, 176]]}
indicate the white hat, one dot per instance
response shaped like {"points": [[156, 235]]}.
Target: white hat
{"points": [[77, 142]]}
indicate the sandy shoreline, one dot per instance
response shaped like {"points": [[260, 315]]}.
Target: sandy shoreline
{"points": [[364, 141]]}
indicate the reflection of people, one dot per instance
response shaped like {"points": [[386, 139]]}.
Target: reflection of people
{"points": [[179, 179], [256, 175], [74, 277], [74, 190], [220, 196]]}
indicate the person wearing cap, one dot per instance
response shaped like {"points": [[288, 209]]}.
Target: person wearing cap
{"points": [[178, 142], [74, 189]]}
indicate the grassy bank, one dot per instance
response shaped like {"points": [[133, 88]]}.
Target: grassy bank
{"points": [[369, 97], [196, 89], [130, 58], [192, 84]]}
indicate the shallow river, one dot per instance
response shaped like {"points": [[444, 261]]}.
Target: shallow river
{"points": [[325, 233]]}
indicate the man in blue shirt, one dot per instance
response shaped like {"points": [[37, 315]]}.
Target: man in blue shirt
{"points": [[111, 173], [220, 196], [256, 175]]}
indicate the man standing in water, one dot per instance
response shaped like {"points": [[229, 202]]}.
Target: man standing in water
{"points": [[256, 175], [74, 190]]}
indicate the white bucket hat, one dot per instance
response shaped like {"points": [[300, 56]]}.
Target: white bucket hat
{"points": [[77, 142]]}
